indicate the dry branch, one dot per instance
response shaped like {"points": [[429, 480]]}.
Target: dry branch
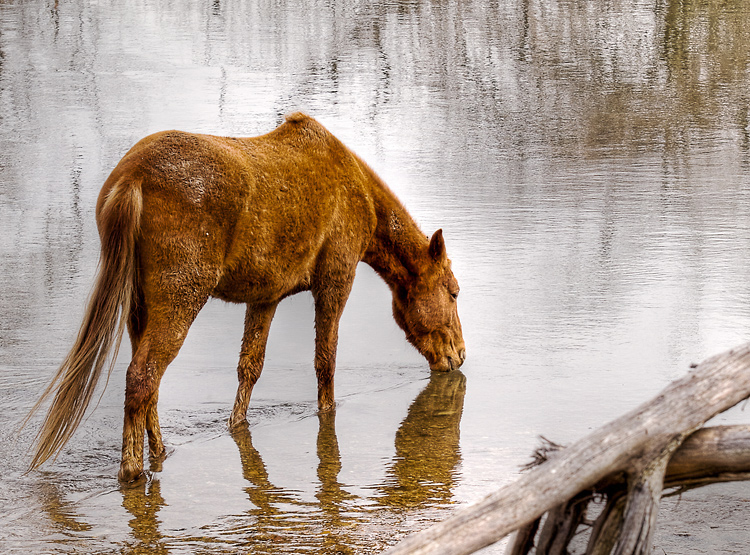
{"points": [[710, 455], [636, 447]]}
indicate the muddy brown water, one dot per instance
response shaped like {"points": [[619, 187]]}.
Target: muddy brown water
{"points": [[588, 162]]}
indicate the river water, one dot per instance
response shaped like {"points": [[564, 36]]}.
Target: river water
{"points": [[589, 163]]}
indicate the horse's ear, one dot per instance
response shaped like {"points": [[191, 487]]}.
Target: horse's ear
{"points": [[437, 247]]}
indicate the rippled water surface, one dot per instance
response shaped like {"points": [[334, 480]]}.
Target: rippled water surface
{"points": [[589, 163]]}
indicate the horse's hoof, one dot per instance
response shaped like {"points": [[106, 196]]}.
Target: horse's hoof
{"points": [[129, 473], [235, 424], [157, 452], [156, 461]]}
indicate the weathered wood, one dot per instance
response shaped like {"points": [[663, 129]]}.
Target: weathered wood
{"points": [[642, 505], [710, 455], [561, 524], [629, 444], [522, 540], [606, 531]]}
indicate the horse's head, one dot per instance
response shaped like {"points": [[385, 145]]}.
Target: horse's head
{"points": [[427, 310]]}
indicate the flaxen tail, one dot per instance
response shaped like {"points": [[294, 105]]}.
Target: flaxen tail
{"points": [[103, 324]]}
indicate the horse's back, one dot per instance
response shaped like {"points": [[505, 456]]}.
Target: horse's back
{"points": [[251, 215]]}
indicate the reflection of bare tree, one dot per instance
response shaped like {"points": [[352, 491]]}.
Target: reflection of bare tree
{"points": [[706, 48], [144, 501], [427, 445], [568, 75]]}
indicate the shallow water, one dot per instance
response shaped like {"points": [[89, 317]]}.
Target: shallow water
{"points": [[588, 162]]}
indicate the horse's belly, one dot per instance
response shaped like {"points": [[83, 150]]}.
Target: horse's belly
{"points": [[256, 285]]}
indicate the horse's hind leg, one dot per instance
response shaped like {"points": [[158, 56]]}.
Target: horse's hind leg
{"points": [[137, 395], [257, 323], [136, 327], [162, 337], [155, 444]]}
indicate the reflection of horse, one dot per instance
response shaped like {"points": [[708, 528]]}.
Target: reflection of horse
{"points": [[423, 473], [144, 501], [297, 525], [427, 445], [185, 217], [61, 513], [276, 519]]}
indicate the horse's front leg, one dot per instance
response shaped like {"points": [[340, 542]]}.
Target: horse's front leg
{"points": [[330, 300], [257, 323]]}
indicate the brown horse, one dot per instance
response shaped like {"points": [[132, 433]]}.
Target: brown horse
{"points": [[184, 217]]}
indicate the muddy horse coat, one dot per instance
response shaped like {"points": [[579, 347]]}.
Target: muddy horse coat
{"points": [[185, 217]]}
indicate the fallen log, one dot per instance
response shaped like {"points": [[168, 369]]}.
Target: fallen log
{"points": [[628, 461], [708, 456]]}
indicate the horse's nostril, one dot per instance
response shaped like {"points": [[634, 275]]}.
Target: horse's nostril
{"points": [[462, 354]]}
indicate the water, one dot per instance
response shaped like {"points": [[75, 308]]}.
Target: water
{"points": [[588, 162]]}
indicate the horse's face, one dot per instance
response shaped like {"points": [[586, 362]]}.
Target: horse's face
{"points": [[427, 310]]}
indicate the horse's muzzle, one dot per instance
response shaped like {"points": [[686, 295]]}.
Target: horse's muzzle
{"points": [[450, 362], [456, 363]]}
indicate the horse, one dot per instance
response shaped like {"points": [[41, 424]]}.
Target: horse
{"points": [[184, 217]]}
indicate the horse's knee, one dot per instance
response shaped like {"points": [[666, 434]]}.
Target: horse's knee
{"points": [[326, 401], [141, 385], [248, 373]]}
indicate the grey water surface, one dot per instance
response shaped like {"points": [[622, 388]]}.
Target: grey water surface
{"points": [[589, 163]]}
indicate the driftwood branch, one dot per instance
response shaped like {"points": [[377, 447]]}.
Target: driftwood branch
{"points": [[711, 455], [560, 526], [607, 528], [628, 461], [708, 456]]}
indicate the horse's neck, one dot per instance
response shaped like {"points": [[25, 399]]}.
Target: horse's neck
{"points": [[397, 246]]}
